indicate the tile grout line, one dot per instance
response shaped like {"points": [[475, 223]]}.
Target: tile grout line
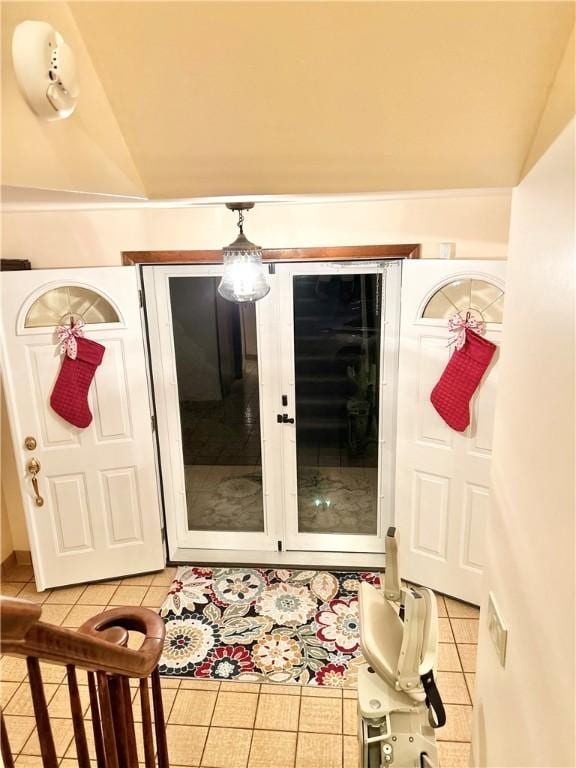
{"points": [[209, 723], [470, 689], [459, 618], [342, 729], [254, 726], [166, 716], [298, 731]]}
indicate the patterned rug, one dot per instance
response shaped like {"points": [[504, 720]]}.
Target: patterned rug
{"points": [[264, 625]]}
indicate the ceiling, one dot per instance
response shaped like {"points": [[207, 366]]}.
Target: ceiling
{"points": [[265, 98], [288, 97]]}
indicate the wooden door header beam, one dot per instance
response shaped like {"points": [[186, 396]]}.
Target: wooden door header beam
{"points": [[339, 253]]}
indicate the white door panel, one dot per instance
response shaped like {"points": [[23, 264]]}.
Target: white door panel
{"points": [[442, 476], [101, 516]]}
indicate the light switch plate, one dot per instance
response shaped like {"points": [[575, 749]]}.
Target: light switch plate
{"points": [[446, 250], [498, 631]]}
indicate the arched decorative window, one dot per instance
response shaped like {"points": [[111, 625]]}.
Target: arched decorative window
{"points": [[484, 300], [57, 305]]}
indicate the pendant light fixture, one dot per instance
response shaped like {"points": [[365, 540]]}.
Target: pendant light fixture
{"points": [[245, 277]]}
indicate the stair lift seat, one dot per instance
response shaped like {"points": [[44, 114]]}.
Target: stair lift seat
{"points": [[398, 703], [383, 650]]}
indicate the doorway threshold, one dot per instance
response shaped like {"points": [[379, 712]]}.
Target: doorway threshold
{"points": [[291, 559]]}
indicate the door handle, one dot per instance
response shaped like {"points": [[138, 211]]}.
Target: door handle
{"points": [[34, 468], [282, 418]]}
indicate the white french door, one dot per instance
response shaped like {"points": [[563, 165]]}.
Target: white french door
{"points": [[339, 348], [215, 381], [278, 436], [93, 511]]}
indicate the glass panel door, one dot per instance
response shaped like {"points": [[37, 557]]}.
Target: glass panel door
{"points": [[214, 376], [341, 326], [218, 398]]}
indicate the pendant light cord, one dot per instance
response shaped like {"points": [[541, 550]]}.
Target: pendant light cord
{"points": [[241, 221]]}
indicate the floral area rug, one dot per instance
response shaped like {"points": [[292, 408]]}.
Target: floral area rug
{"points": [[264, 625]]}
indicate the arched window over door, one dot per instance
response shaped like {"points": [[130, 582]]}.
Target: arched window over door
{"points": [[57, 305], [483, 299]]}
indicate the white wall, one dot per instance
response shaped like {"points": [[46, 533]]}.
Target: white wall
{"points": [[524, 713], [477, 223], [193, 305], [249, 330], [13, 522], [6, 543]]}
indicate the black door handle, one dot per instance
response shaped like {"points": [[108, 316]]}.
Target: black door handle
{"points": [[282, 418]]}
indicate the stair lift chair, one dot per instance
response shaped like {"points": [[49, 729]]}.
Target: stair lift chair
{"points": [[399, 706]]}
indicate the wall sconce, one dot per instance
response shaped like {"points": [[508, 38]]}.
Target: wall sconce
{"points": [[245, 277]]}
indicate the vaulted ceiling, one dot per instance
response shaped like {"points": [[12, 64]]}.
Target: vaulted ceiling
{"points": [[229, 98], [282, 97]]}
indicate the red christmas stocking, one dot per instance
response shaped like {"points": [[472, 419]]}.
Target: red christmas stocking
{"points": [[70, 395], [451, 395]]}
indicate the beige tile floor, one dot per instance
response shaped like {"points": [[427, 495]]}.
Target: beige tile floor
{"points": [[231, 725]]}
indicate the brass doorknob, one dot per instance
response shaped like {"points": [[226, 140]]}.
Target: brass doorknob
{"points": [[30, 443], [34, 468]]}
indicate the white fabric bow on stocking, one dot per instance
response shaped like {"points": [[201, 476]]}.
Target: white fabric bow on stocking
{"points": [[67, 335], [457, 325]]}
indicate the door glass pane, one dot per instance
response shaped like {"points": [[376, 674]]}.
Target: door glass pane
{"points": [[484, 300], [58, 304], [337, 356], [217, 370]]}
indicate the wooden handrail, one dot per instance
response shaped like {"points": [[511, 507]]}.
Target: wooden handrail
{"points": [[16, 618], [99, 647], [87, 648]]}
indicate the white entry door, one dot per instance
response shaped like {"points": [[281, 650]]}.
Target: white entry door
{"points": [[100, 514], [442, 476]]}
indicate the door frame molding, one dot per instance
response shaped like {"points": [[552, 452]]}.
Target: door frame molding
{"points": [[330, 253]]}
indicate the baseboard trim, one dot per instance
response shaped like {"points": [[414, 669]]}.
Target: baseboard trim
{"points": [[23, 556], [8, 564], [15, 558]]}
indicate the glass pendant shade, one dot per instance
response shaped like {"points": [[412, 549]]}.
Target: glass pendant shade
{"points": [[245, 278]]}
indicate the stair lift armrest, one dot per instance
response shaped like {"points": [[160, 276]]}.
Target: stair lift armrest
{"points": [[409, 661], [392, 584], [430, 634]]}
